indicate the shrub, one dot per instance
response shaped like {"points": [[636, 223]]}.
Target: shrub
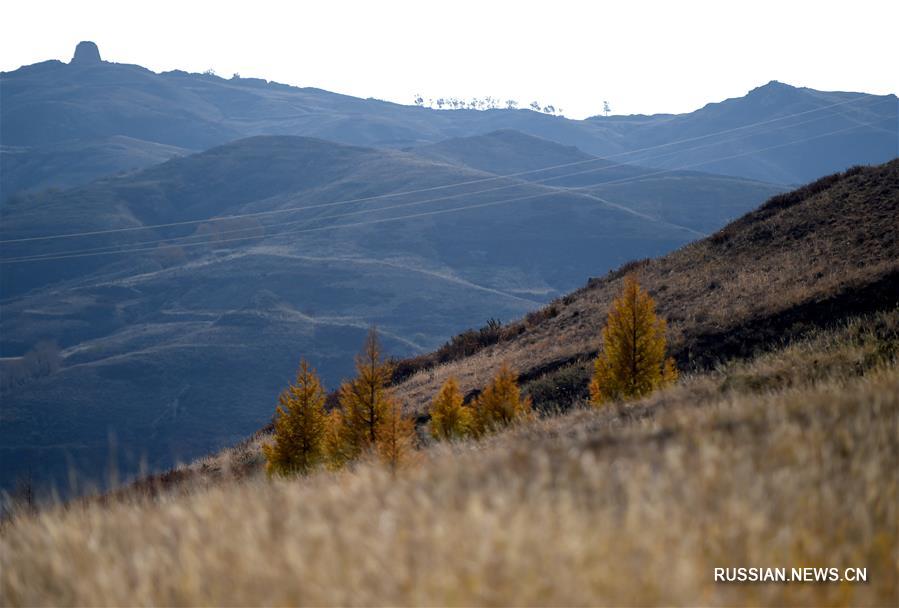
{"points": [[536, 317], [560, 389], [460, 346]]}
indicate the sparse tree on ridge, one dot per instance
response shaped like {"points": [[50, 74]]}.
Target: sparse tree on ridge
{"points": [[300, 425], [632, 362], [481, 103]]}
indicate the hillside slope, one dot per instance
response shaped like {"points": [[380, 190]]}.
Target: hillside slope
{"points": [[509, 151], [74, 163], [806, 260], [700, 201], [803, 259]]}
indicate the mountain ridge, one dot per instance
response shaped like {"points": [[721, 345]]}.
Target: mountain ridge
{"points": [[195, 111]]}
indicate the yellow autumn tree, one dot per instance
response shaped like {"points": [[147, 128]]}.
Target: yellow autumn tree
{"points": [[396, 437], [632, 362], [449, 418], [364, 400], [336, 443], [300, 425], [500, 404]]}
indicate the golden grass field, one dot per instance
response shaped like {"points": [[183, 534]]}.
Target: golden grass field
{"points": [[786, 460]]}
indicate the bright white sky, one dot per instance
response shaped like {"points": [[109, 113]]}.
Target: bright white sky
{"points": [[644, 57]]}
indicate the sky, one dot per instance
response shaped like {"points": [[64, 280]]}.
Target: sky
{"points": [[640, 56]]}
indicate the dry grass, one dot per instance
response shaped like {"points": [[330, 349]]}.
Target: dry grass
{"points": [[788, 460]]}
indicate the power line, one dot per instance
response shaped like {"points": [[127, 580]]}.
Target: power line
{"points": [[429, 189], [217, 238], [517, 184], [435, 212]]}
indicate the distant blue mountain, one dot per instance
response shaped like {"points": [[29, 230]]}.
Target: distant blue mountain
{"points": [[800, 134], [53, 103]]}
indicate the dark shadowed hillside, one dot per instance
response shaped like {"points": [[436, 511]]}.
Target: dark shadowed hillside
{"points": [[77, 162], [508, 151], [702, 202]]}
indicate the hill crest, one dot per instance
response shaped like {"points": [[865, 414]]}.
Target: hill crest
{"points": [[51, 102]]}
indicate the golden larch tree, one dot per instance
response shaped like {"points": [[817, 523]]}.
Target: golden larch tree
{"points": [[500, 404], [449, 418], [364, 399], [632, 362], [396, 437], [336, 443], [300, 425]]}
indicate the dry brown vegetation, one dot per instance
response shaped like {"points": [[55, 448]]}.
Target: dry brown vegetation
{"points": [[787, 460]]}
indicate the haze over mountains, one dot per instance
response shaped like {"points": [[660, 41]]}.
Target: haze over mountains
{"points": [[91, 100], [177, 328]]}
